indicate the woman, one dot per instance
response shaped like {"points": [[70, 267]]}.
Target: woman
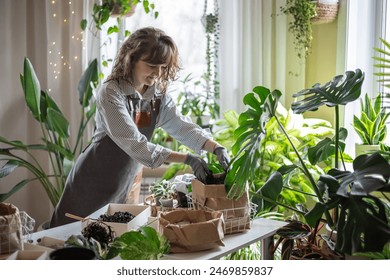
{"points": [[130, 105]]}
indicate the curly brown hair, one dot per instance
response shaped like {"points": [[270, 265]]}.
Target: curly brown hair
{"points": [[153, 46]]}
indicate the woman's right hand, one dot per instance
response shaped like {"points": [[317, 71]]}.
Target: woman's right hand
{"points": [[199, 167]]}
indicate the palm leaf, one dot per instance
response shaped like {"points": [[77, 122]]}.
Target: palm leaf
{"points": [[383, 58]]}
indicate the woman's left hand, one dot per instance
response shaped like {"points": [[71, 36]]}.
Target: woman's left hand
{"points": [[222, 156]]}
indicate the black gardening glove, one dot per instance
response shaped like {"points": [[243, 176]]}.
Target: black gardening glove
{"points": [[199, 167], [223, 157]]}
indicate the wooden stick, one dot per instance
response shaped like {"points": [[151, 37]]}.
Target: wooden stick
{"points": [[75, 217]]}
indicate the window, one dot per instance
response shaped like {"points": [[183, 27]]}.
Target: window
{"points": [[179, 19], [366, 23], [197, 88]]}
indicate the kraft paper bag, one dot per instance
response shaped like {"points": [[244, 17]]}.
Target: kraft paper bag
{"points": [[10, 229], [214, 197], [192, 230]]}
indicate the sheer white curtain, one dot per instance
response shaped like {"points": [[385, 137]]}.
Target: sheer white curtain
{"points": [[364, 27], [41, 30], [92, 38], [253, 49]]}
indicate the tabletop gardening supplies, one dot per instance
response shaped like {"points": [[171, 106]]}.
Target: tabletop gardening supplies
{"points": [[101, 231], [212, 196], [163, 193], [145, 243], [122, 217], [121, 232], [183, 188], [10, 229], [192, 230]]}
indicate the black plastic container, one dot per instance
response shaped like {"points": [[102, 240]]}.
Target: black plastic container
{"points": [[72, 253]]}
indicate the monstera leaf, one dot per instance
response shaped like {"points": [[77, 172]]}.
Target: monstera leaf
{"points": [[342, 90], [326, 147], [362, 225], [371, 173], [249, 135], [270, 191]]}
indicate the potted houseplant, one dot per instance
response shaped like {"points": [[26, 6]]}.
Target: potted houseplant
{"points": [[143, 244], [302, 11], [195, 102], [55, 135], [371, 125], [363, 220], [253, 123], [326, 11], [305, 13], [210, 76], [102, 11], [198, 97], [343, 198], [163, 192]]}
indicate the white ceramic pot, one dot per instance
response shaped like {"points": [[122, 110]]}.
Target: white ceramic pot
{"points": [[166, 202], [361, 149]]}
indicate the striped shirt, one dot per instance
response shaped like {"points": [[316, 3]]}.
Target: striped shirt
{"points": [[114, 120]]}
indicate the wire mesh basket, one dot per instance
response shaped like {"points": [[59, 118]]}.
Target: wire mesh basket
{"points": [[237, 219], [28, 225], [189, 201], [13, 234]]}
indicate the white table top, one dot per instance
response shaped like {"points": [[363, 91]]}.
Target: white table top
{"points": [[260, 230]]}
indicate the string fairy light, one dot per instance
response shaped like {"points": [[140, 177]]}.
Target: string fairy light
{"points": [[59, 60]]}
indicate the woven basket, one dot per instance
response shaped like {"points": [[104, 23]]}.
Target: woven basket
{"points": [[325, 13]]}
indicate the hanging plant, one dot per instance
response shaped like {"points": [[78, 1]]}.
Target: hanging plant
{"points": [[302, 12], [102, 11], [211, 24]]}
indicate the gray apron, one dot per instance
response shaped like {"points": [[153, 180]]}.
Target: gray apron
{"points": [[104, 173]]}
